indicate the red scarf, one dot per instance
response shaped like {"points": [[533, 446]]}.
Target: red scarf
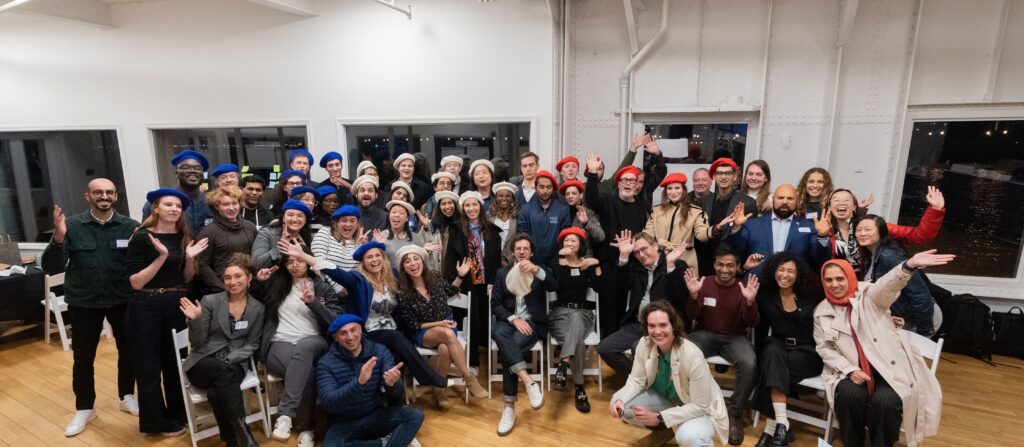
{"points": [[844, 301]]}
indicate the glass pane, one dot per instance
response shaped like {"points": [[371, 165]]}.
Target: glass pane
{"points": [[700, 143], [979, 166]]}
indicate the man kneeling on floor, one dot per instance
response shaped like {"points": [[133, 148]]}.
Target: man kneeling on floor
{"points": [[349, 379]]}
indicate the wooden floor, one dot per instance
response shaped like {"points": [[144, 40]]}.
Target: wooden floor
{"points": [[982, 406]]}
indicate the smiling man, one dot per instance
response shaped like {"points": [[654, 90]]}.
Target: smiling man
{"points": [[189, 166], [543, 218]]}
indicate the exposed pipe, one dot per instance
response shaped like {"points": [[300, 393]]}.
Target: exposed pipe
{"points": [[391, 4], [626, 81], [763, 118]]}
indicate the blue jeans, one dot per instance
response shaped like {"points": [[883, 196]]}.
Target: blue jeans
{"points": [[512, 348], [401, 423]]}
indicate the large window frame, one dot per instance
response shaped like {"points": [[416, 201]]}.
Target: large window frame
{"points": [[1012, 288]]}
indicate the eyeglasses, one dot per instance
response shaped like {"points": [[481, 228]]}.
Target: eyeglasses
{"points": [[331, 201], [627, 181], [725, 173], [101, 193], [293, 184]]}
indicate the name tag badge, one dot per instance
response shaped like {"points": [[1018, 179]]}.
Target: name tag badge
{"points": [[710, 302], [574, 272], [122, 243], [207, 221], [239, 325], [553, 220], [803, 229]]}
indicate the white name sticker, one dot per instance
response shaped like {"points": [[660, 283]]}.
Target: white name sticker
{"points": [[574, 272], [803, 229], [710, 302], [239, 325], [122, 243]]}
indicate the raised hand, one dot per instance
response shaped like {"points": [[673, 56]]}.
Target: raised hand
{"points": [[824, 225], [380, 236], [364, 237], [693, 281], [581, 215], [393, 375], [463, 267], [624, 242], [767, 206], [196, 247], [60, 225], [749, 290], [675, 254], [929, 258], [651, 146], [739, 217], [307, 294], [264, 274], [157, 245], [752, 261], [865, 203], [593, 163], [433, 246], [367, 370], [424, 220], [934, 197], [638, 140], [190, 309]]}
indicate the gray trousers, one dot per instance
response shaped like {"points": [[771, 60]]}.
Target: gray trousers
{"points": [[696, 432], [570, 327], [738, 350], [297, 364]]}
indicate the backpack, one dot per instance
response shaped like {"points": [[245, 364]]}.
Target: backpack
{"points": [[967, 326], [1009, 332]]}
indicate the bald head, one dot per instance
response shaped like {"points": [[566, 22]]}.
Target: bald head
{"points": [[101, 195], [784, 200]]}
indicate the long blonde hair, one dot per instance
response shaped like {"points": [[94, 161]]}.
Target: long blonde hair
{"points": [[179, 227], [383, 281]]}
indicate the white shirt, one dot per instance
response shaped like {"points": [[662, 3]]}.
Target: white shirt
{"points": [[295, 320]]}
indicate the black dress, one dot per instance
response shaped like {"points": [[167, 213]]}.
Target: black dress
{"points": [[787, 355]]}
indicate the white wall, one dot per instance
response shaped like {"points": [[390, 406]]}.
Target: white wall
{"points": [[208, 63]]}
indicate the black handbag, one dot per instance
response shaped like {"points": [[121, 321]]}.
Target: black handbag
{"points": [[1009, 333]]}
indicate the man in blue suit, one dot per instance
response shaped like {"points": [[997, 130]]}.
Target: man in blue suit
{"points": [[781, 231]]}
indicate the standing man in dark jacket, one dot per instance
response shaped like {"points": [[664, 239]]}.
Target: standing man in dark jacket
{"points": [[720, 205], [372, 217], [252, 210], [543, 217], [89, 248], [189, 166], [349, 380]]}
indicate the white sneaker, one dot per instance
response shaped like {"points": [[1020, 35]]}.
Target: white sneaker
{"points": [[78, 422], [306, 438], [415, 443], [536, 395], [282, 428], [507, 422], [129, 405]]}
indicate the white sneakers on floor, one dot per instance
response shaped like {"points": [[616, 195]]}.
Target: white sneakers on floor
{"points": [[306, 438], [536, 396], [129, 405], [507, 422], [82, 417], [282, 428], [415, 443]]}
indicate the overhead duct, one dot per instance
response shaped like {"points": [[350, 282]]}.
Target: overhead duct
{"points": [[626, 81]]}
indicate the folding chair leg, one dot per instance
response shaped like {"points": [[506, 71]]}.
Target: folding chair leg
{"points": [[47, 308], [107, 330], [828, 425]]}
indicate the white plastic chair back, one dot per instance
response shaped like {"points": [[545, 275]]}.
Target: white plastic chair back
{"points": [[929, 349]]}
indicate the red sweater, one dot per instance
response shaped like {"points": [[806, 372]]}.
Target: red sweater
{"points": [[722, 309]]}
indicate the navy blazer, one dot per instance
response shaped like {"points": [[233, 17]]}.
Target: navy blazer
{"points": [[755, 236]]}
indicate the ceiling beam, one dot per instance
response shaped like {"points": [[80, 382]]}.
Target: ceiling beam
{"points": [[302, 8], [90, 12]]}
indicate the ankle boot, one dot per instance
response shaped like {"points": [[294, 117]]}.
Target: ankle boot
{"points": [[243, 435], [441, 398]]}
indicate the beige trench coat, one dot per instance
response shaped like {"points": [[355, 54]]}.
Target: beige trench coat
{"points": [[688, 226], [888, 349], [692, 379]]}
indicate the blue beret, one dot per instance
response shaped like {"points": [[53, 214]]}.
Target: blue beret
{"points": [[296, 205], [358, 254], [224, 169], [292, 173], [298, 152], [327, 190], [156, 194], [188, 153], [341, 321], [328, 157], [345, 211], [299, 190]]}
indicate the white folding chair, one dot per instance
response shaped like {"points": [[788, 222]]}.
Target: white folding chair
{"points": [[273, 382], [494, 374], [53, 304], [194, 395], [460, 301], [592, 340], [928, 348]]}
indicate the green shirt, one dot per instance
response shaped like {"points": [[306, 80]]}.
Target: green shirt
{"points": [[92, 257], [663, 383]]}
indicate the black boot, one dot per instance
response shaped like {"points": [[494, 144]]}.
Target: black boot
{"points": [[243, 435]]}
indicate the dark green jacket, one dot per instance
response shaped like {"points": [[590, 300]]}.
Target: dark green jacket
{"points": [[93, 261]]}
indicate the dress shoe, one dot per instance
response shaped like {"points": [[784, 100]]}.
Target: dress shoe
{"points": [[735, 431], [781, 438]]}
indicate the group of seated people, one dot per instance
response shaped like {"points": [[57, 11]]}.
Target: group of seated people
{"points": [[337, 287]]}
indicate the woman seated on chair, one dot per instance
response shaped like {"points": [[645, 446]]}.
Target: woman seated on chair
{"points": [[299, 309], [572, 316], [224, 331], [670, 386], [423, 304], [874, 377], [786, 302]]}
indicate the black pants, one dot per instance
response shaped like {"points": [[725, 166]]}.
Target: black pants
{"points": [[480, 308], [613, 301], [612, 349], [782, 366], [405, 352], [151, 317], [88, 324], [221, 381], [882, 413]]}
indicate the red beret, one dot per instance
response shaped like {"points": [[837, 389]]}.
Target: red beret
{"points": [[675, 177], [569, 159], [723, 161], [626, 170], [548, 175], [578, 184], [572, 230]]}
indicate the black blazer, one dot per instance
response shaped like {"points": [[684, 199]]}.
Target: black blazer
{"points": [[503, 302], [458, 249], [666, 286]]}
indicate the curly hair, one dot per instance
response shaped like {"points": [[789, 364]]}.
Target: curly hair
{"points": [[803, 198], [805, 284], [678, 330]]}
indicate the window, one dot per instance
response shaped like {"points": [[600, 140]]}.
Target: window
{"points": [[979, 166], [256, 150], [499, 142], [700, 143], [39, 169]]}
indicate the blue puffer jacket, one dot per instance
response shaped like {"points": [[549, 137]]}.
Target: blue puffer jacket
{"points": [[915, 304], [337, 380]]}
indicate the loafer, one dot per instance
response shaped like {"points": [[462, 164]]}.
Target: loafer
{"points": [[764, 441], [536, 396], [735, 431], [582, 402], [781, 438], [507, 422], [561, 382], [129, 405], [282, 428], [78, 423]]}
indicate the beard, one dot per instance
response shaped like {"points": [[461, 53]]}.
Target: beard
{"points": [[784, 212]]}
